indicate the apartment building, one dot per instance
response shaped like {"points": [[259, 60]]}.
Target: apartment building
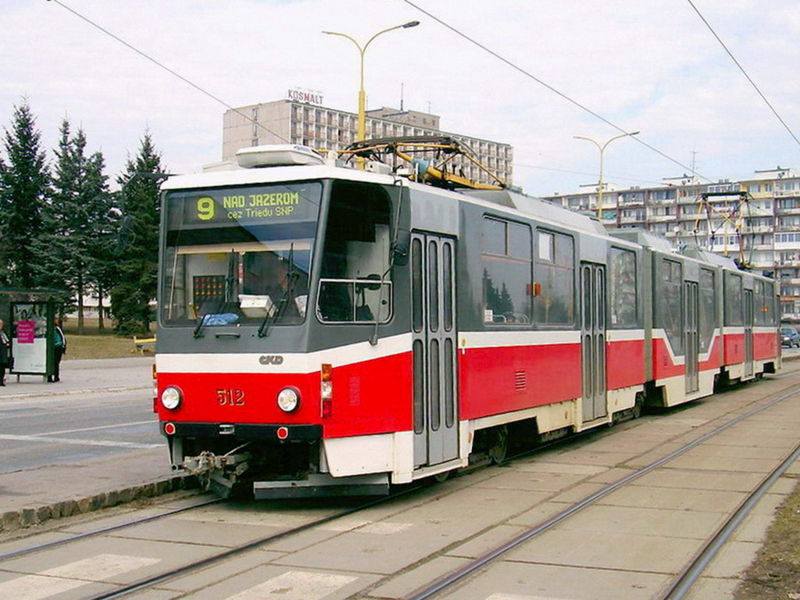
{"points": [[756, 220], [298, 122]]}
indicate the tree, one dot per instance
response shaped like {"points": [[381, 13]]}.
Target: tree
{"points": [[73, 219], [102, 271], [24, 183], [138, 260]]}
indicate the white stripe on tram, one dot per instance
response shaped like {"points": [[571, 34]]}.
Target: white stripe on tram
{"points": [[283, 362]]}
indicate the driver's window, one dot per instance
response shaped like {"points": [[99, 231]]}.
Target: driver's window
{"points": [[355, 282]]}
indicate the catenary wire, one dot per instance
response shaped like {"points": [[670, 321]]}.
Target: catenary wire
{"points": [[572, 172], [741, 68], [551, 88], [166, 68]]}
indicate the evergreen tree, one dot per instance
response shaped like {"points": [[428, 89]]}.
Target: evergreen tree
{"points": [[23, 190], [105, 213], [73, 217], [138, 259]]}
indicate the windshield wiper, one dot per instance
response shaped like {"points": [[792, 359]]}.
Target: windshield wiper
{"points": [[224, 297], [291, 278]]}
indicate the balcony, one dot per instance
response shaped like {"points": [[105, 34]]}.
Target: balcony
{"points": [[661, 218], [788, 211]]}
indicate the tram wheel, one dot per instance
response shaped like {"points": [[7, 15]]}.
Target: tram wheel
{"points": [[499, 448], [442, 477], [638, 406]]}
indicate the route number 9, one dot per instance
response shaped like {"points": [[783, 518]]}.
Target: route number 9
{"points": [[205, 208]]}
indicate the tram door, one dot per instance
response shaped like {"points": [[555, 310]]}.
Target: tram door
{"points": [[748, 333], [434, 349], [691, 333], [593, 340]]}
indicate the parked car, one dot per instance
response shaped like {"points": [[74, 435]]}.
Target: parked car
{"points": [[790, 337]]}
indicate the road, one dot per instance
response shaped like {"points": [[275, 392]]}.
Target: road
{"points": [[100, 409]]}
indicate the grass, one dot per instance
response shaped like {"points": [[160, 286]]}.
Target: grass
{"points": [[100, 346], [776, 571]]}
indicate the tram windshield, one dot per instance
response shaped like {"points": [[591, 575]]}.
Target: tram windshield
{"points": [[239, 255]]}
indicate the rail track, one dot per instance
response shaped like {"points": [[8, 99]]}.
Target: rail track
{"points": [[693, 570]]}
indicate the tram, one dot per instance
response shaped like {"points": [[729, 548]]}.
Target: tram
{"points": [[325, 330]]}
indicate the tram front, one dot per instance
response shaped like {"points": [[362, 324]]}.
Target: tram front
{"points": [[277, 330]]}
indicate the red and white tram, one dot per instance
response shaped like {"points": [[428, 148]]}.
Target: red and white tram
{"points": [[325, 330]]}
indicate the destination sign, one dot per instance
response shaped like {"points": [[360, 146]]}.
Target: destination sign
{"points": [[262, 204]]}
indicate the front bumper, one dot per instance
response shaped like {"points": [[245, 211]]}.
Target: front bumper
{"points": [[245, 431]]}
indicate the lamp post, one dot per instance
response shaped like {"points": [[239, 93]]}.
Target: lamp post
{"points": [[602, 149], [362, 115]]}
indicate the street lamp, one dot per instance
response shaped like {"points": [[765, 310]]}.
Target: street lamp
{"points": [[362, 116], [602, 150]]}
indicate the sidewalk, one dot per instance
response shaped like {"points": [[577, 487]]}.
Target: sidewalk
{"points": [[82, 376], [33, 496]]}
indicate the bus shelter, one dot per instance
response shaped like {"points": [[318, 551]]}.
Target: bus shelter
{"points": [[29, 316]]}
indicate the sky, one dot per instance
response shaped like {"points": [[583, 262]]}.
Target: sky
{"points": [[644, 65]]}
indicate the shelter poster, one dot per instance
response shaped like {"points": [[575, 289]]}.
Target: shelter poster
{"points": [[29, 341]]}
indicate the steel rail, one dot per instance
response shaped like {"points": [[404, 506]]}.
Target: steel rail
{"points": [[462, 573], [692, 572], [80, 536], [209, 560]]}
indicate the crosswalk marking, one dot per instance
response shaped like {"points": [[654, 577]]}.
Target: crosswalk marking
{"points": [[64, 578], [59, 440], [295, 585]]}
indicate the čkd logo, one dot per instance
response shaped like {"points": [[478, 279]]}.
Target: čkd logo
{"points": [[271, 359]]}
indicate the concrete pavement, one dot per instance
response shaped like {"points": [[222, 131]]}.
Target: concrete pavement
{"points": [[84, 376], [32, 496]]}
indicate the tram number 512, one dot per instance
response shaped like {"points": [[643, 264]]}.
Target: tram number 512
{"points": [[230, 397]]}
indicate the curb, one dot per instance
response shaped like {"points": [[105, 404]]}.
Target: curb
{"points": [[28, 517], [39, 394]]}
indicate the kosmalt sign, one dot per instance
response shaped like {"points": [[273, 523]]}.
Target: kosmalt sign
{"points": [[308, 96]]}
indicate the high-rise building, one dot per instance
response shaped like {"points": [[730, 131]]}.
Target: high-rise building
{"points": [[296, 122], [756, 220]]}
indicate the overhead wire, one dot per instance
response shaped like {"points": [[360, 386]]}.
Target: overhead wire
{"points": [[572, 172], [741, 68], [550, 87], [168, 69]]}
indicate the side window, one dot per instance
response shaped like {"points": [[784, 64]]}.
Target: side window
{"points": [[769, 303], [622, 279], [733, 300], [554, 279], [355, 282], [506, 261], [758, 299], [708, 308], [670, 303], [765, 302]]}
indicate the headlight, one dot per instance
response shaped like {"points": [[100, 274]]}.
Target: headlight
{"points": [[288, 399], [171, 398]]}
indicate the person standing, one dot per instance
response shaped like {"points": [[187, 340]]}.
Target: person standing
{"points": [[60, 349], [5, 353]]}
